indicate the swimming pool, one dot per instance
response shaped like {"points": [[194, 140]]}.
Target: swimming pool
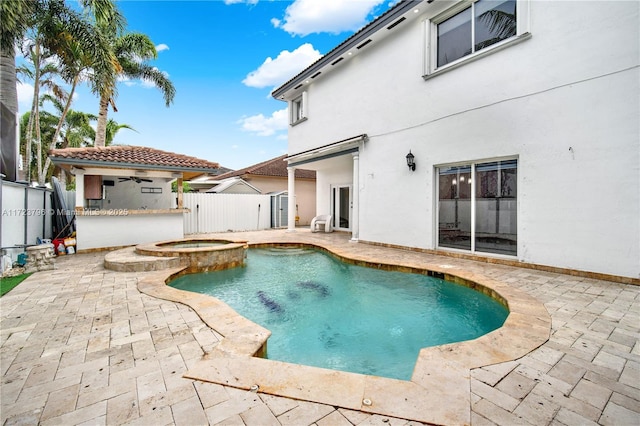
{"points": [[326, 313]]}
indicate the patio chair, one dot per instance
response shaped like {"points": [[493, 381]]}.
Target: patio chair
{"points": [[323, 220]]}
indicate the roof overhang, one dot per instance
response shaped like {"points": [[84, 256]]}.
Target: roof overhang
{"points": [[324, 152], [230, 182], [401, 13], [71, 164]]}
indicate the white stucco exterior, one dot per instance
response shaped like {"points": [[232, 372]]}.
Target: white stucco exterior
{"points": [[119, 227], [564, 100]]}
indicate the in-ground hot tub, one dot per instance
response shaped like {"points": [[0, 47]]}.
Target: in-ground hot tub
{"points": [[199, 255]]}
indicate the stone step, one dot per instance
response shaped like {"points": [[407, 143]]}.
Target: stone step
{"points": [[127, 260]]}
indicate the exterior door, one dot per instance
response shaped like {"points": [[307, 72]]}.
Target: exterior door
{"points": [[341, 207], [279, 211]]}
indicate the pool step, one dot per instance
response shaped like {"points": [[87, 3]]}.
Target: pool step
{"points": [[127, 260], [286, 251]]}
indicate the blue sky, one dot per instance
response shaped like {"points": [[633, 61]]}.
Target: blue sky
{"points": [[224, 58]]}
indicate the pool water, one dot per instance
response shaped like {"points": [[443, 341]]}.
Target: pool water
{"points": [[326, 313]]}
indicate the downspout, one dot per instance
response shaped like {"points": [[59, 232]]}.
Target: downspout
{"points": [[26, 216], [44, 215]]}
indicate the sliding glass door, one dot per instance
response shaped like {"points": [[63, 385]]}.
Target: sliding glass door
{"points": [[477, 207], [454, 207]]}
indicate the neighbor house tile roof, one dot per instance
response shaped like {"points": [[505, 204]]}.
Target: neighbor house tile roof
{"points": [[275, 167], [131, 156]]}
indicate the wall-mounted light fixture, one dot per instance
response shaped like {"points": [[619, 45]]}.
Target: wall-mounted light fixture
{"points": [[410, 161]]}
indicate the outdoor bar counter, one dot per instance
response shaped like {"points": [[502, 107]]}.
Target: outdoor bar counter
{"points": [[124, 227]]}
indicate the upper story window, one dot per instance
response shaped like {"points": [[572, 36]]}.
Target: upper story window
{"points": [[482, 24], [472, 28], [298, 108]]}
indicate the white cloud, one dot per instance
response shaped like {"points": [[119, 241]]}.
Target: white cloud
{"points": [[305, 17], [126, 80], [25, 96], [274, 72], [265, 126], [161, 47]]}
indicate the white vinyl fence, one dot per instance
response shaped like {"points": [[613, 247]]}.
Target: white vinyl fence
{"points": [[226, 212], [25, 216]]}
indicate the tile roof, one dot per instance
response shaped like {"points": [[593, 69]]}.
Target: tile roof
{"points": [[274, 167], [131, 156]]}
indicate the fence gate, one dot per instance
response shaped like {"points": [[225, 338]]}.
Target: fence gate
{"points": [[225, 212]]}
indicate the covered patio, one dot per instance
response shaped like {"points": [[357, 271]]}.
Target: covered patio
{"points": [[124, 193]]}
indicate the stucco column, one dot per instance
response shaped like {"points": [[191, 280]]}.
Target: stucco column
{"points": [[355, 215], [79, 188], [291, 216], [180, 191]]}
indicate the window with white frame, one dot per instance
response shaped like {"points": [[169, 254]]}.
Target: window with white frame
{"points": [[471, 28], [477, 206], [299, 108]]}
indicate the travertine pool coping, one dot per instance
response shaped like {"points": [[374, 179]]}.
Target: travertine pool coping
{"points": [[439, 390]]}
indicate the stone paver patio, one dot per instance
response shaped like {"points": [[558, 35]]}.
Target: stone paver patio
{"points": [[82, 345]]}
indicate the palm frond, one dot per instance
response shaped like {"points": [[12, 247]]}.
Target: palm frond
{"points": [[106, 15], [16, 16], [501, 24], [155, 76], [135, 46]]}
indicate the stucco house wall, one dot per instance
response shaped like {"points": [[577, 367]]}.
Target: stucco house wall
{"points": [[564, 102]]}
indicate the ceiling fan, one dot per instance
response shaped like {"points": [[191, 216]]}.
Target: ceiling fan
{"points": [[135, 179]]}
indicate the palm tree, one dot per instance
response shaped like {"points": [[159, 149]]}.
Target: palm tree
{"points": [[112, 128], [132, 51], [47, 127], [43, 74], [57, 30], [73, 129], [14, 16], [77, 131]]}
